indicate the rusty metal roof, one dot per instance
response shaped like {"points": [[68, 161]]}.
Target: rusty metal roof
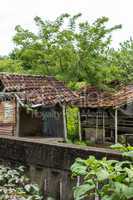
{"points": [[37, 90], [93, 98]]}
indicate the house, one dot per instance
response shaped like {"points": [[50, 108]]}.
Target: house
{"points": [[106, 116], [33, 106]]}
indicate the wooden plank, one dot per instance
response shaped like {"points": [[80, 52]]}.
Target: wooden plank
{"points": [[116, 126], [64, 122], [103, 127], [96, 126], [79, 126], [17, 118]]}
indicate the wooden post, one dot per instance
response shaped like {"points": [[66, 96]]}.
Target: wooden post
{"points": [[17, 117], [64, 123], [96, 196], [45, 185], [61, 189], [116, 126], [78, 181], [96, 125], [103, 127], [79, 123]]}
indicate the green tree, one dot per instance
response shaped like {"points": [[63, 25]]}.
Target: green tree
{"points": [[69, 49], [11, 66], [123, 58]]}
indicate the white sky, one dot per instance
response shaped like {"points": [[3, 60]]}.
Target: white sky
{"points": [[14, 12]]}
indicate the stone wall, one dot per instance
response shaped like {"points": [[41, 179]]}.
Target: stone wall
{"points": [[47, 163]]}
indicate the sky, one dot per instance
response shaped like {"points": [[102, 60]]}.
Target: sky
{"points": [[22, 12]]}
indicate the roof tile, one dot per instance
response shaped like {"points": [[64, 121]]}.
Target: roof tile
{"points": [[93, 98], [37, 89]]}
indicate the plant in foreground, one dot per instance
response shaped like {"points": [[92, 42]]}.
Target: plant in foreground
{"points": [[106, 179], [14, 185]]}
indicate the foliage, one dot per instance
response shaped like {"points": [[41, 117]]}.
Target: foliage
{"points": [[69, 49], [9, 65], [106, 179], [72, 123], [126, 150], [73, 50], [123, 57], [83, 143], [14, 185]]}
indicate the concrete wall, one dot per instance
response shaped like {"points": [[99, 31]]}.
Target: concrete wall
{"points": [[48, 164]]}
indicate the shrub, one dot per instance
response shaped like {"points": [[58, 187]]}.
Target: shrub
{"points": [[72, 123], [14, 185], [106, 179]]}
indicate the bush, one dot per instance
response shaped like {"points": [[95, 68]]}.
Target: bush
{"points": [[14, 185], [72, 123], [106, 179]]}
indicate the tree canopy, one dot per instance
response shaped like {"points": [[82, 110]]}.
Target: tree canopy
{"points": [[72, 50]]}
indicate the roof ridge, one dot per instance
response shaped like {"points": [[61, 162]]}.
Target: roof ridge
{"points": [[18, 74]]}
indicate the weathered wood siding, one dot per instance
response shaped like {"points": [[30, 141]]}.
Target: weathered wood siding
{"points": [[7, 117], [53, 122], [30, 124], [92, 123], [45, 122], [125, 119]]}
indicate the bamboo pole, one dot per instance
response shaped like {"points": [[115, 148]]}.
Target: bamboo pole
{"points": [[103, 127], [61, 189], [79, 123], [96, 126], [64, 122], [116, 126], [17, 118], [78, 181]]}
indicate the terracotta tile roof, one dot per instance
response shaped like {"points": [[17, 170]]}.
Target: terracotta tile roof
{"points": [[93, 98], [37, 89]]}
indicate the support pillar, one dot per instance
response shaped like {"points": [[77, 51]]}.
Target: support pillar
{"points": [[79, 128], [116, 126], [17, 117], [64, 122], [103, 127], [96, 126]]}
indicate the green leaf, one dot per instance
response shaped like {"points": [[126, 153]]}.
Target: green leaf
{"points": [[102, 174], [81, 191], [119, 147], [106, 197], [129, 192], [79, 168], [128, 154]]}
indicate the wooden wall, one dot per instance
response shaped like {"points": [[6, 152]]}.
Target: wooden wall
{"points": [[53, 122], [92, 118], [29, 124], [7, 117], [47, 122]]}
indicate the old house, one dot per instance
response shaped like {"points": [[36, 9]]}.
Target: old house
{"points": [[105, 116], [33, 106]]}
